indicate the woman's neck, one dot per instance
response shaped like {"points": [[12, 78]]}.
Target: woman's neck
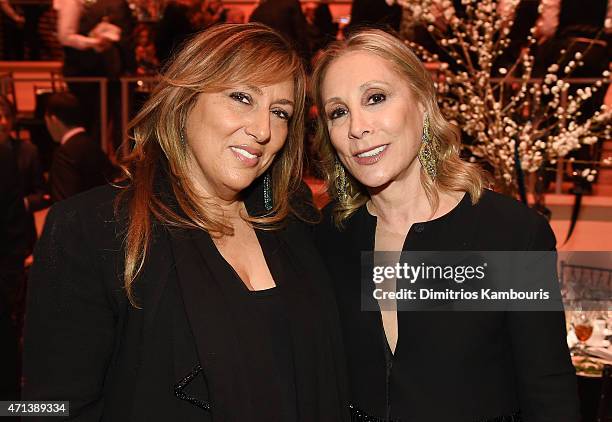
{"points": [[400, 204], [403, 203]]}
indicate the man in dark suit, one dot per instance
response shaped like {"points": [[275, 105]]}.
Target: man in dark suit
{"points": [[13, 245], [287, 18], [78, 163], [30, 174]]}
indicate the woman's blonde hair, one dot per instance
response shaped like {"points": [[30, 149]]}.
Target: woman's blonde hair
{"points": [[222, 57], [453, 174]]}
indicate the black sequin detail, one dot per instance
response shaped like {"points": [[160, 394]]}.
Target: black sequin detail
{"points": [[180, 386], [358, 415]]}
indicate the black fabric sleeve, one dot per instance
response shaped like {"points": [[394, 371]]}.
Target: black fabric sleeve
{"points": [[545, 376], [70, 322]]}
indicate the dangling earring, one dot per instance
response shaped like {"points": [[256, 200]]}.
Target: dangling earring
{"points": [[428, 155], [342, 183], [267, 193], [182, 136]]}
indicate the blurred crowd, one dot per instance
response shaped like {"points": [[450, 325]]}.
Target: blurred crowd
{"points": [[135, 37], [148, 33]]}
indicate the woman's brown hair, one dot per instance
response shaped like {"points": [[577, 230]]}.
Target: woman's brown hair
{"points": [[216, 59], [453, 174]]}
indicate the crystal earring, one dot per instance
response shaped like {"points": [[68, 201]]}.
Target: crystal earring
{"points": [[341, 181], [428, 155], [267, 193]]}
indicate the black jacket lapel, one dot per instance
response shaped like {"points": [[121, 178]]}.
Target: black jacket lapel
{"points": [[209, 316]]}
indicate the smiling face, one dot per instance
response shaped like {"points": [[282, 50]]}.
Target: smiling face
{"points": [[374, 121], [234, 135]]}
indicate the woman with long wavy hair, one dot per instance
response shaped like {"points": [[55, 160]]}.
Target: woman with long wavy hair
{"points": [[398, 184], [191, 291]]}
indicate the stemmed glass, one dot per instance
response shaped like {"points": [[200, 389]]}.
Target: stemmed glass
{"points": [[583, 328]]}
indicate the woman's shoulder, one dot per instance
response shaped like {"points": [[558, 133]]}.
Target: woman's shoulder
{"points": [[82, 238], [521, 222], [505, 208], [93, 212], [96, 201]]}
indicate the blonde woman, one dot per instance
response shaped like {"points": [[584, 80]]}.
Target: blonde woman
{"points": [[398, 184], [192, 293]]}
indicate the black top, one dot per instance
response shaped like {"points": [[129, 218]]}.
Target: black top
{"points": [[459, 366], [262, 325], [264, 329], [85, 343]]}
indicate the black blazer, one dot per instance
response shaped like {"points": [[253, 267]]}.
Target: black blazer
{"points": [[453, 366], [78, 165], [85, 343]]}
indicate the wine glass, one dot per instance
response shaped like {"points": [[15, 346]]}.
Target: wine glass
{"points": [[583, 328]]}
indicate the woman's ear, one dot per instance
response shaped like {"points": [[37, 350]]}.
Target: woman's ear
{"points": [[422, 109]]}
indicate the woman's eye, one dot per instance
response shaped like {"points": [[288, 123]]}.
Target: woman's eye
{"points": [[376, 98], [241, 97], [336, 113], [282, 114]]}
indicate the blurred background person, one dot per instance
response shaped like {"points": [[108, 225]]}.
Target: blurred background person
{"points": [[20, 27], [78, 163], [173, 29], [320, 25], [12, 30], [97, 41], [375, 13], [13, 246], [287, 18], [30, 175]]}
